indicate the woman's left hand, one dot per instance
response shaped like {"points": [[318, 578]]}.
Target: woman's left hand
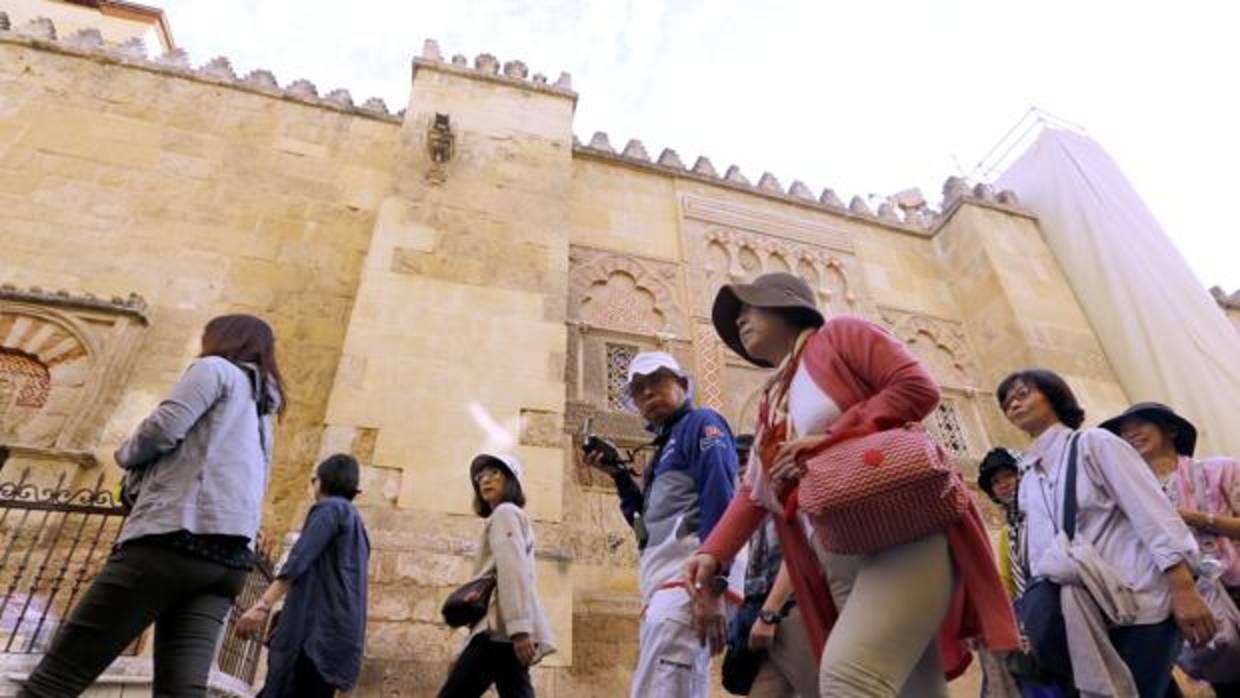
{"points": [[251, 623], [525, 648], [789, 466], [1195, 519]]}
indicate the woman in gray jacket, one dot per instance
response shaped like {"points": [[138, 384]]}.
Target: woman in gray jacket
{"points": [[196, 472], [515, 633]]}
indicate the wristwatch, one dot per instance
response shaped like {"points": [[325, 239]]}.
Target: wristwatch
{"points": [[770, 617]]}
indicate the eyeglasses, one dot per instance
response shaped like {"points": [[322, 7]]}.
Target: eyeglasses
{"points": [[487, 472], [1021, 392]]}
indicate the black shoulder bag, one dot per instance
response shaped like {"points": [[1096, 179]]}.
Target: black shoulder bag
{"points": [[1039, 609], [468, 604]]}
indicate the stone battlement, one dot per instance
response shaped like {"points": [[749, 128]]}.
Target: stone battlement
{"points": [[89, 43], [906, 211], [487, 67]]}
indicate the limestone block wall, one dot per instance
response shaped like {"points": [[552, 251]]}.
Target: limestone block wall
{"points": [[203, 194]]}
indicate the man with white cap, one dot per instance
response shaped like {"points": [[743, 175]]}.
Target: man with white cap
{"points": [[685, 489]]}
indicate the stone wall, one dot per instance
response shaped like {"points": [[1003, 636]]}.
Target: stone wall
{"points": [[464, 275], [201, 195]]}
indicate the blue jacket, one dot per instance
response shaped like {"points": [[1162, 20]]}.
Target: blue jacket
{"points": [[691, 477]]}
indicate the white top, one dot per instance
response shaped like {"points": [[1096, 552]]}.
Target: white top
{"points": [[810, 409], [1121, 511]]}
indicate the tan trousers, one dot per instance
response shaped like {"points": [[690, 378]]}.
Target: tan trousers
{"points": [[788, 671], [891, 603]]}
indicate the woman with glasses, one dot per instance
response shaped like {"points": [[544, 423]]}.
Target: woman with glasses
{"points": [[515, 633], [317, 645]]}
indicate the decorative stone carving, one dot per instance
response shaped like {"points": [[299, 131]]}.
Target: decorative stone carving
{"points": [[600, 141], [4, 22], [60, 357], [133, 47], [564, 82], [799, 190], [376, 105], [942, 344], [860, 207], [440, 146], [39, 28], [703, 166], [176, 58], [954, 188], [709, 352], [670, 158], [218, 67], [539, 79], [430, 51], [1007, 197], [339, 97], [729, 243], [302, 88], [768, 182], [460, 60], [634, 149], [264, 79], [486, 63], [624, 293], [734, 175], [984, 192], [829, 198], [887, 212], [516, 70], [85, 39]]}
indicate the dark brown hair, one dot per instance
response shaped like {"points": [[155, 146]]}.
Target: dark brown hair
{"points": [[1053, 387], [242, 338], [512, 491]]}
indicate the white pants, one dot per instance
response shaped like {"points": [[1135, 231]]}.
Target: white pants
{"points": [[671, 662]]}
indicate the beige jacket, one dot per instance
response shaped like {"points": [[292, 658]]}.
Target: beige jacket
{"points": [[508, 550]]}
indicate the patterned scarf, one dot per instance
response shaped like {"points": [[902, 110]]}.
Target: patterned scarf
{"points": [[775, 426]]}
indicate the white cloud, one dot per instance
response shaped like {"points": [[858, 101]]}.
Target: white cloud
{"points": [[863, 96]]}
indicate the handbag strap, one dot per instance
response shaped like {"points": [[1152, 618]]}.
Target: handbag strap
{"points": [[1069, 488]]}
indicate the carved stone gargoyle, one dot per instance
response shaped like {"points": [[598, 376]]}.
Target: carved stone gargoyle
{"points": [[441, 145]]}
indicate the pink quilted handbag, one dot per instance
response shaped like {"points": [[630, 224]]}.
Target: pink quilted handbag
{"points": [[880, 490]]}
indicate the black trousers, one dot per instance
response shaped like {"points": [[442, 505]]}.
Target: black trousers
{"points": [[306, 682], [188, 599], [484, 662]]}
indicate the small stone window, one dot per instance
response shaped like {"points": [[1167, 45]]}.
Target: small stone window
{"points": [[619, 356], [948, 428]]}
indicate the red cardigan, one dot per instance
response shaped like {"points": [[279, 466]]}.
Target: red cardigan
{"points": [[878, 384]]}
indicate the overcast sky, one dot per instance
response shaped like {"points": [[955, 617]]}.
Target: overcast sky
{"points": [[866, 97]]}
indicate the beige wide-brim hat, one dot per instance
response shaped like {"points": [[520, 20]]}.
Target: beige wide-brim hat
{"points": [[775, 290]]}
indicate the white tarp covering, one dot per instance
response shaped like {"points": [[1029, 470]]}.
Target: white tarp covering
{"points": [[1164, 335]]}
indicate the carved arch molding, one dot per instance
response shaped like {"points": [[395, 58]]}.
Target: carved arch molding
{"points": [[624, 293], [62, 359]]}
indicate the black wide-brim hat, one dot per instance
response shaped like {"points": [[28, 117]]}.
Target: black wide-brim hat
{"points": [[775, 290], [1185, 432], [996, 460]]}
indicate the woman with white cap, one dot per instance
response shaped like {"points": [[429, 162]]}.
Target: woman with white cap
{"points": [[515, 633]]}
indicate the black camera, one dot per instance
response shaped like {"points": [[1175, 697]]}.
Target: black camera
{"points": [[611, 459]]}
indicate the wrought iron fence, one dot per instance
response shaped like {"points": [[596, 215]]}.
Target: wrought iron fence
{"points": [[239, 657], [54, 540]]}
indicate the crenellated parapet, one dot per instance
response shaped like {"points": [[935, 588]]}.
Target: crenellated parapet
{"points": [[89, 43], [906, 210], [487, 67]]}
